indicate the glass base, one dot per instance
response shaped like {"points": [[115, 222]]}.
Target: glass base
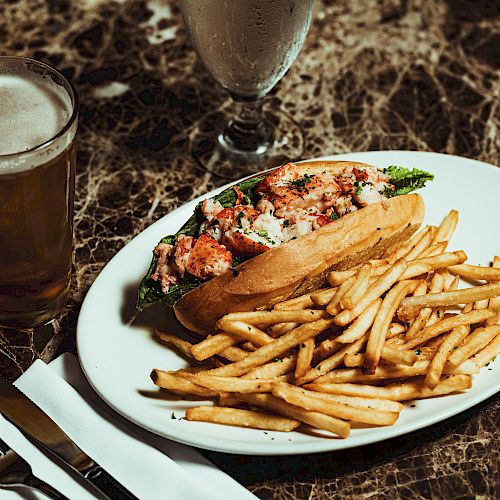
{"points": [[215, 151]]}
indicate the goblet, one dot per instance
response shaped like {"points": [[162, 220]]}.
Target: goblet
{"points": [[247, 46]]}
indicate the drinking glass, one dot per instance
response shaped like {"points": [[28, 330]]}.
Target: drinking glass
{"points": [[38, 128], [247, 46]]}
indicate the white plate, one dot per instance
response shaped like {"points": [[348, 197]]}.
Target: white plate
{"points": [[117, 357]]}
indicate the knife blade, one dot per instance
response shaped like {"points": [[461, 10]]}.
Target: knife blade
{"points": [[32, 420]]}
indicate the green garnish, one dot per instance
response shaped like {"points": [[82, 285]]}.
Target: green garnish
{"points": [[418, 351], [302, 182], [405, 180], [264, 234]]}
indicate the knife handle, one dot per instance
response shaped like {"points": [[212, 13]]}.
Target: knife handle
{"points": [[107, 484]]}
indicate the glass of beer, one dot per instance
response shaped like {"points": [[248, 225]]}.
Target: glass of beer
{"points": [[38, 126]]}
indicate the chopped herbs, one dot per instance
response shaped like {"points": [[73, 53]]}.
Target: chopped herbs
{"points": [[334, 216], [418, 351], [302, 182], [264, 234], [173, 417], [286, 223], [239, 218], [277, 360], [235, 271]]}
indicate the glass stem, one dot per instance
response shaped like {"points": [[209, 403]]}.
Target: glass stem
{"points": [[247, 132]]}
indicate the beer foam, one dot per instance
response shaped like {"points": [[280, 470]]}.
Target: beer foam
{"points": [[33, 109]]}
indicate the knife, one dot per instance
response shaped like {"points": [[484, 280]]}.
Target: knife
{"points": [[31, 419]]}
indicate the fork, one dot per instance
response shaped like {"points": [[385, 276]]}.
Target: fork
{"points": [[15, 471]]}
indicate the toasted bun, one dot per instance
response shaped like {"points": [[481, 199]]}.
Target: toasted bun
{"points": [[302, 265]]}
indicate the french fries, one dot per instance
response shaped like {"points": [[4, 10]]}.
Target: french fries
{"points": [[386, 331]]}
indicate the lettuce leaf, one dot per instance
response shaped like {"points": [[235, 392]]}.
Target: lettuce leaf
{"points": [[405, 181], [150, 290]]}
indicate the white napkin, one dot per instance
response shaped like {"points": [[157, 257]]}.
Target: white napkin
{"points": [[149, 466]]}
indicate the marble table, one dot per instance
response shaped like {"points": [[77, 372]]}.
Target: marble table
{"points": [[398, 74]]}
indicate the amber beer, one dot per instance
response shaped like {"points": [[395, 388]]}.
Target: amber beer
{"points": [[38, 123]]}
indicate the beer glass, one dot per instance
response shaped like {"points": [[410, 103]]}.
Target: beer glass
{"points": [[38, 126], [247, 46]]}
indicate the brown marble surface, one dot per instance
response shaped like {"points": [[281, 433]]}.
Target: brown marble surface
{"points": [[392, 74]]}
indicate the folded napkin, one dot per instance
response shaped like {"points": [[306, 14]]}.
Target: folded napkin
{"points": [[149, 466]]}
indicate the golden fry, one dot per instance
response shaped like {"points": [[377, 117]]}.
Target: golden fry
{"points": [[304, 357], [181, 345], [382, 321], [241, 418], [401, 391], [462, 296], [447, 227], [324, 296], [438, 363], [272, 317], [479, 339], [179, 385], [476, 272], [488, 353], [359, 287], [312, 418], [447, 324], [361, 325]]}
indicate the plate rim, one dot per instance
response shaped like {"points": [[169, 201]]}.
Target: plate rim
{"points": [[328, 444]]}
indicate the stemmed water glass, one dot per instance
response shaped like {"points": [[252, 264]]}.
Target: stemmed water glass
{"points": [[247, 46]]}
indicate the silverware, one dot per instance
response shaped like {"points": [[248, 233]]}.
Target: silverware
{"points": [[15, 471], [28, 417]]}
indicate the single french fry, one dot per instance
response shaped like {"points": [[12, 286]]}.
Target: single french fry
{"points": [[382, 321], [442, 260], [361, 325], [447, 324], [271, 317], [462, 296], [304, 357], [488, 353], [229, 384], [241, 418], [323, 297], [312, 418], [476, 272], [302, 398], [213, 345], [438, 363], [326, 348], [374, 403], [334, 306], [181, 345], [302, 302], [233, 353], [401, 391], [247, 332], [332, 362], [479, 339], [494, 302], [374, 292], [275, 368], [438, 313], [359, 287], [398, 356], [394, 356], [423, 244], [435, 249], [280, 329], [178, 384], [395, 329], [384, 372], [276, 348], [447, 227]]}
